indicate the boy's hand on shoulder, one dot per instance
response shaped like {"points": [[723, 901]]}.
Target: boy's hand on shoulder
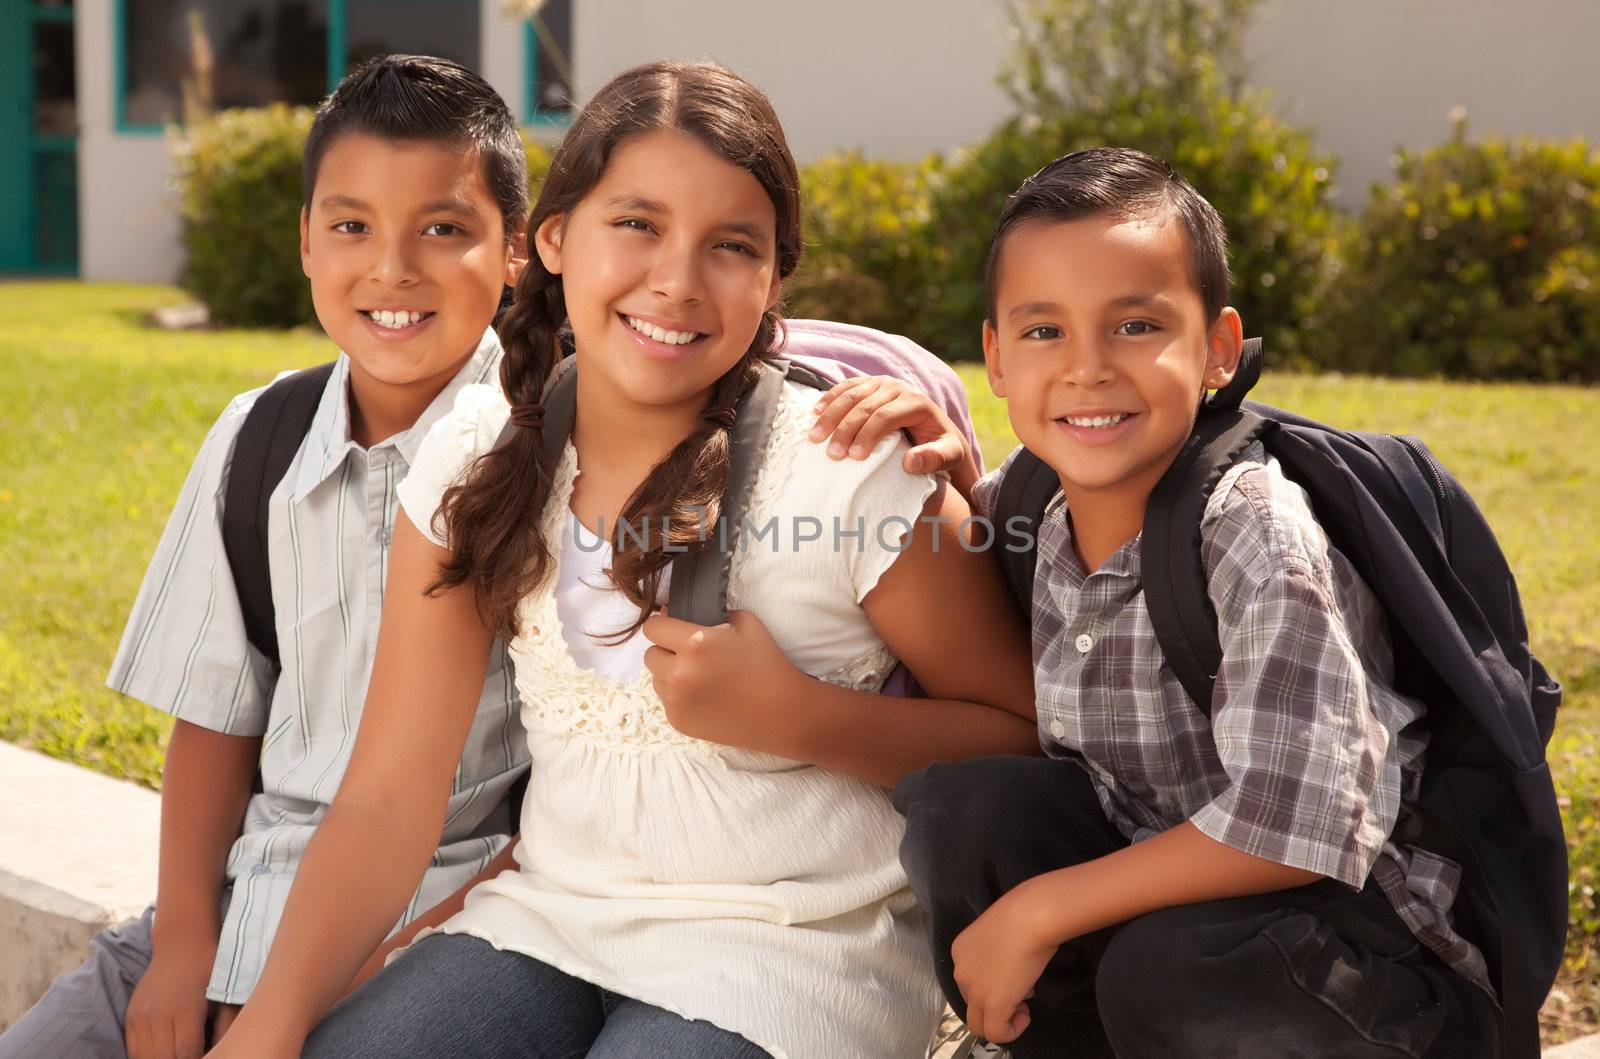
{"points": [[859, 412], [998, 960], [727, 684], [167, 1014]]}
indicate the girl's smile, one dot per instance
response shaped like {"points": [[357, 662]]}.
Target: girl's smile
{"points": [[664, 339], [666, 266]]}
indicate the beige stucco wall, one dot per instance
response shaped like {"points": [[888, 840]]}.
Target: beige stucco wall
{"points": [[903, 77], [896, 77], [127, 221], [1373, 74], [128, 225]]}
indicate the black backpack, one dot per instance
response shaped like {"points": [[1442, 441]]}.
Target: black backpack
{"points": [[1460, 645], [278, 421]]}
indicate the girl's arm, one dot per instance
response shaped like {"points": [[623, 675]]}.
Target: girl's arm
{"points": [[369, 853], [942, 610], [503, 861]]}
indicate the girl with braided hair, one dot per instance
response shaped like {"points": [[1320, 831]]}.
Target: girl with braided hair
{"points": [[708, 856]]}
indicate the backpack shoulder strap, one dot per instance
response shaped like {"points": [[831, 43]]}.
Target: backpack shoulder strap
{"points": [[1026, 489], [268, 439], [1170, 565], [699, 590]]}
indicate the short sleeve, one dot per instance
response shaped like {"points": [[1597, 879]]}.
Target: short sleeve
{"points": [[467, 431], [1314, 771], [184, 650], [883, 502]]}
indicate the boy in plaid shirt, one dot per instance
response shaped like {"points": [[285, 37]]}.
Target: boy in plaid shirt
{"points": [[1163, 883]]}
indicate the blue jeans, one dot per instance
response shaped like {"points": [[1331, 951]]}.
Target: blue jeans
{"points": [[456, 995]]}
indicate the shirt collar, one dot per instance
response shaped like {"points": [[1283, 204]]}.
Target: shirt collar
{"points": [[1124, 562], [328, 442]]}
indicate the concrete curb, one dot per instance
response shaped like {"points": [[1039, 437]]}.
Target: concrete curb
{"points": [[77, 854]]}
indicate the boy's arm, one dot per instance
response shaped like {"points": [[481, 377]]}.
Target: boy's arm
{"points": [[205, 789], [502, 861], [859, 412], [1002, 954]]}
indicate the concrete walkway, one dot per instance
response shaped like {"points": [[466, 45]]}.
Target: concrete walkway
{"points": [[77, 854], [1582, 1048]]}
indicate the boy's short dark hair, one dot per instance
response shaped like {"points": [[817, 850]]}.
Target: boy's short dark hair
{"points": [[1118, 182], [420, 98]]}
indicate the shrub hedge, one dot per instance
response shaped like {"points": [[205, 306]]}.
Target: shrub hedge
{"points": [[239, 179], [1481, 260]]}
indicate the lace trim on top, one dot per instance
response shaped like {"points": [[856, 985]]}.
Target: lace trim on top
{"points": [[562, 698]]}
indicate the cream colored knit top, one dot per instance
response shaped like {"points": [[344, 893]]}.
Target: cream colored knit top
{"points": [[753, 892]]}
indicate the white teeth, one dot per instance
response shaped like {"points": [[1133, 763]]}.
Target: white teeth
{"points": [[671, 338], [394, 319], [1097, 421]]}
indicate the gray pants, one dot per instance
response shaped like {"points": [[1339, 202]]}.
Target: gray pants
{"points": [[80, 1015]]}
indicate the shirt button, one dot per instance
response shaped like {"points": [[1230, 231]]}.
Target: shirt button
{"points": [[1058, 729], [1083, 643]]}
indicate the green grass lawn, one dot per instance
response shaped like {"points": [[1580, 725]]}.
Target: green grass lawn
{"points": [[101, 414]]}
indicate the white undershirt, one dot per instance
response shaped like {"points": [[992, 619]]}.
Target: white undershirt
{"points": [[589, 605]]}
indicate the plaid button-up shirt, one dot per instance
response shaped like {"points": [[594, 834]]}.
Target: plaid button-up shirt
{"points": [[1308, 750]]}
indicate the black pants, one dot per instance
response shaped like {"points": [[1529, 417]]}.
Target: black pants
{"points": [[1317, 971]]}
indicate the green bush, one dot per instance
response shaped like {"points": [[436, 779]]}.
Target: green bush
{"points": [[1481, 261], [865, 261], [1264, 176], [239, 175]]}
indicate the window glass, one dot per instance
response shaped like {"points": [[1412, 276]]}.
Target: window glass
{"points": [[55, 112], [257, 52], [446, 28], [552, 67]]}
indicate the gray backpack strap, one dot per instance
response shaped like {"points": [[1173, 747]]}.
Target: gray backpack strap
{"points": [[699, 591], [700, 579], [560, 412]]}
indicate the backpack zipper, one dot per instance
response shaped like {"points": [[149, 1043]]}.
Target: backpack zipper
{"points": [[1436, 483]]}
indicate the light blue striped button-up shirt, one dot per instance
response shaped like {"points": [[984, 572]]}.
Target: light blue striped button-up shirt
{"points": [[185, 652]]}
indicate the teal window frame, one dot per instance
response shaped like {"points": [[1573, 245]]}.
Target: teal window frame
{"points": [[532, 116], [18, 183], [337, 45]]}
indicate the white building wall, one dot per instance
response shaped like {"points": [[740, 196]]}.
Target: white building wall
{"points": [[1370, 75], [127, 218], [898, 78], [128, 226]]}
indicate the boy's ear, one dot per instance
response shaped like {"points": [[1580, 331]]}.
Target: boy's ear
{"points": [[518, 260], [305, 241], [547, 242], [1223, 347], [991, 360]]}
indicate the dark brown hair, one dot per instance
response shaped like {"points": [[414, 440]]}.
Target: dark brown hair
{"points": [[1117, 182], [493, 519], [423, 99]]}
